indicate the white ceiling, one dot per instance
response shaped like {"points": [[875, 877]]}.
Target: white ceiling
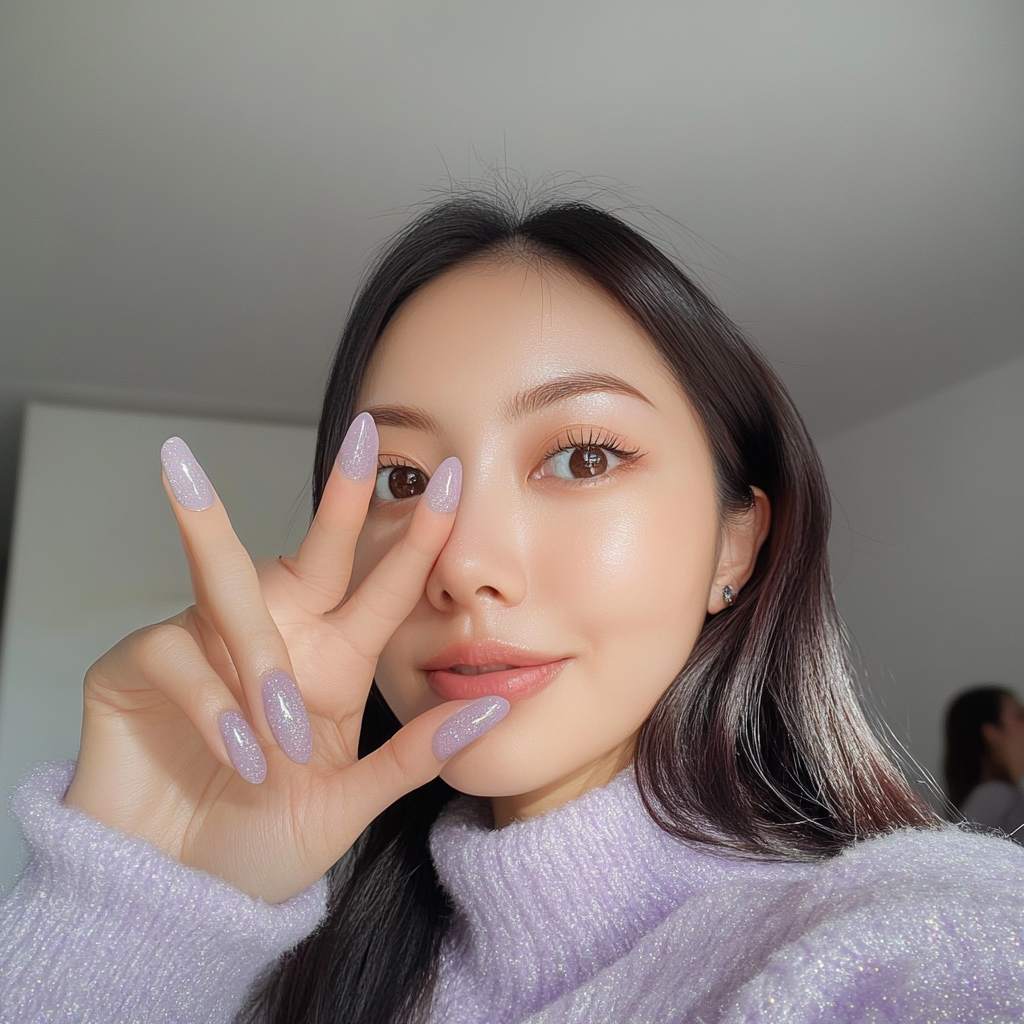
{"points": [[188, 190]]}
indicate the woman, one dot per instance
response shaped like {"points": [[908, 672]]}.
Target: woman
{"points": [[985, 758], [568, 560]]}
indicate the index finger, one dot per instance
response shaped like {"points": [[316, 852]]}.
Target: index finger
{"points": [[323, 562], [228, 592], [394, 586]]}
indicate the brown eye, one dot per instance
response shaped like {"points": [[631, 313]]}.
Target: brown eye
{"points": [[397, 482], [583, 461], [587, 460]]}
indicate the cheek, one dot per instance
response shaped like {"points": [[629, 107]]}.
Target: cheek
{"points": [[400, 689], [632, 570], [626, 584], [375, 540]]}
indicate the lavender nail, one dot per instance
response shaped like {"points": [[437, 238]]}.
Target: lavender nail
{"points": [[445, 486], [467, 724], [189, 484], [287, 716], [357, 458], [242, 747]]}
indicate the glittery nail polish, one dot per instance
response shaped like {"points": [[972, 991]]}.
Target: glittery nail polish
{"points": [[189, 484], [445, 486], [287, 716], [242, 747], [357, 458], [468, 724]]}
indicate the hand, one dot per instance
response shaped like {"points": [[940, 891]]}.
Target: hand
{"points": [[195, 735]]}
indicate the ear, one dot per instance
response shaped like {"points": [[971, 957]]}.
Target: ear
{"points": [[742, 537]]}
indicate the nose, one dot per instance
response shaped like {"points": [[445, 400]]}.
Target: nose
{"points": [[483, 563]]}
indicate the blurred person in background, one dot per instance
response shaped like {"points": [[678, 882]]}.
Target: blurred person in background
{"points": [[985, 757]]}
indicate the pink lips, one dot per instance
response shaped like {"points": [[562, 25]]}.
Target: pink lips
{"points": [[474, 669]]}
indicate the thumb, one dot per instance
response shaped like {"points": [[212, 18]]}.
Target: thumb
{"points": [[417, 753]]}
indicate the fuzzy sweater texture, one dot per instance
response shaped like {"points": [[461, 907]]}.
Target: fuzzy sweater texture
{"points": [[586, 915]]}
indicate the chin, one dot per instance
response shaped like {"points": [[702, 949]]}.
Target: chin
{"points": [[499, 766], [477, 773]]}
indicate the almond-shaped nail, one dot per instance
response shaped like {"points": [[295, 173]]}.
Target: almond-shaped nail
{"points": [[287, 716], [468, 724], [445, 486], [242, 746], [189, 484], [357, 457]]}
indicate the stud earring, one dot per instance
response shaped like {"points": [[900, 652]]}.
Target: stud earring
{"points": [[729, 595]]}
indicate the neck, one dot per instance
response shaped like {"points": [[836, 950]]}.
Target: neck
{"points": [[528, 805]]}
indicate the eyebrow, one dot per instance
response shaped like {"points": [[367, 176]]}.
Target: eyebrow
{"points": [[531, 400], [569, 386], [404, 416]]}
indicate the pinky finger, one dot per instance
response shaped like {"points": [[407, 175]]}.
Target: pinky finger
{"points": [[172, 663]]}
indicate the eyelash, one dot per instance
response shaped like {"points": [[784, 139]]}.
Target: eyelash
{"points": [[596, 439]]}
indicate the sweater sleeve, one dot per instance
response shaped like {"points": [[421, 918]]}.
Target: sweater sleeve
{"points": [[104, 927]]}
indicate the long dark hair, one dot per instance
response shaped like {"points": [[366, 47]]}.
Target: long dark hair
{"points": [[758, 747], [966, 746]]}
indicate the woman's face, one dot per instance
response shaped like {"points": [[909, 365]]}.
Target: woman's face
{"points": [[586, 548]]}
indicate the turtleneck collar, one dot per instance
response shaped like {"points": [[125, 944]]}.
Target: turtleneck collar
{"points": [[543, 904]]}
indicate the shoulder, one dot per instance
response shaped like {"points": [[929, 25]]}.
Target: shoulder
{"points": [[921, 859], [917, 922], [914, 926], [949, 872], [990, 801]]}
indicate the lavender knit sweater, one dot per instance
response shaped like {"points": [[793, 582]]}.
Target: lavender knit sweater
{"points": [[587, 914]]}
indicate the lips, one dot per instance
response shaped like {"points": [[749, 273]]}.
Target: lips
{"points": [[488, 668]]}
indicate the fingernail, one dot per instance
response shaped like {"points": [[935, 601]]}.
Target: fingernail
{"points": [[357, 458], [287, 716], [467, 724], [242, 747], [445, 486], [189, 484]]}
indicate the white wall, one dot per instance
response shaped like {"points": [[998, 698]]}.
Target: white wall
{"points": [[96, 554], [928, 549]]}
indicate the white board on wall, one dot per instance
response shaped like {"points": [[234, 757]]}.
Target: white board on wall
{"points": [[95, 554]]}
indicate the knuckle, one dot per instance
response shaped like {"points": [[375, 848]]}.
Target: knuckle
{"points": [[260, 637], [421, 546], [403, 767], [96, 672], [228, 581], [158, 645]]}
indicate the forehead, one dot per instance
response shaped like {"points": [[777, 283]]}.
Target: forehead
{"points": [[494, 328]]}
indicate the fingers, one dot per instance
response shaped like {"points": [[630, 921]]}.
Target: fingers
{"points": [[390, 592], [416, 754], [170, 661], [228, 593], [324, 559], [230, 598]]}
